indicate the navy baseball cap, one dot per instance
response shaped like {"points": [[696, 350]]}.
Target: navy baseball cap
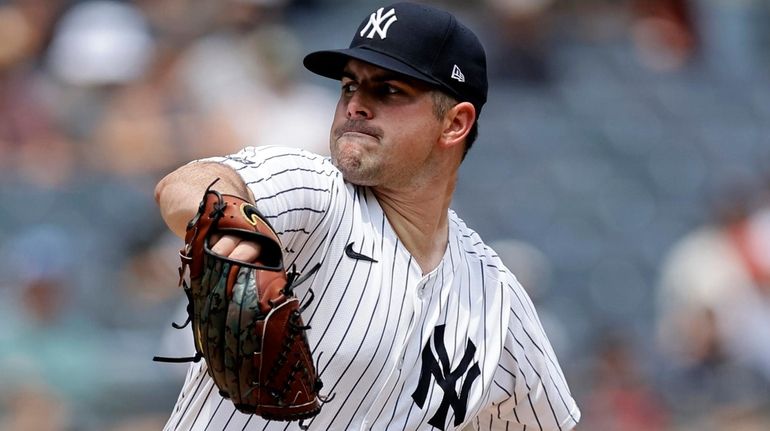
{"points": [[418, 41]]}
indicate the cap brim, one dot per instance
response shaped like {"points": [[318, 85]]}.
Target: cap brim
{"points": [[330, 64]]}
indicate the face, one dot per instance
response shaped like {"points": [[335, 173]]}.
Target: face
{"points": [[384, 127]]}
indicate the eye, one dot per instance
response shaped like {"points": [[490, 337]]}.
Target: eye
{"points": [[349, 87], [390, 89]]}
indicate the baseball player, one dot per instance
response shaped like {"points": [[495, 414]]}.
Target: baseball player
{"points": [[415, 322]]}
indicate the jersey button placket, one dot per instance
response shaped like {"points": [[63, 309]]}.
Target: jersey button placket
{"points": [[420, 289]]}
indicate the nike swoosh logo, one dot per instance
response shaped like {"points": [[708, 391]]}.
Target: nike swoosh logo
{"points": [[356, 255]]}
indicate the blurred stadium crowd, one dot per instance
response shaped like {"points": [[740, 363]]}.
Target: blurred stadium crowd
{"points": [[622, 171]]}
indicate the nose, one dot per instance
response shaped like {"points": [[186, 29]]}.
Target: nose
{"points": [[358, 107]]}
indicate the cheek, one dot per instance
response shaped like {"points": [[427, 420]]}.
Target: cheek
{"points": [[338, 120], [339, 113], [416, 136]]}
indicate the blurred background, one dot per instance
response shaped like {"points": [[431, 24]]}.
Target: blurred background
{"points": [[622, 171]]}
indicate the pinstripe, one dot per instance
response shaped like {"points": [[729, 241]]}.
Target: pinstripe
{"points": [[312, 234], [180, 399], [293, 189], [368, 327], [371, 360], [213, 415], [399, 368], [347, 329], [350, 323], [420, 343], [550, 360], [470, 293], [456, 342], [190, 399], [197, 415], [247, 422], [531, 405], [393, 414], [292, 154], [398, 322], [320, 299], [232, 415], [379, 414], [526, 306], [291, 210], [458, 300], [483, 313], [526, 382], [408, 414], [545, 391], [425, 316], [331, 321], [502, 330], [509, 394], [430, 401], [327, 172], [403, 383]]}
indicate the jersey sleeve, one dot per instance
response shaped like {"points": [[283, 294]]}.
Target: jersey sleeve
{"points": [[529, 390], [293, 190]]}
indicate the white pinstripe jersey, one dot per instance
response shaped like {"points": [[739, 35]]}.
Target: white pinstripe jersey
{"points": [[460, 346]]}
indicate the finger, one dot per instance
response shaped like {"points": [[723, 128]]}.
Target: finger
{"points": [[224, 245], [245, 251]]}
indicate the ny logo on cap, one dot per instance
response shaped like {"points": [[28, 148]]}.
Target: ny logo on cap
{"points": [[375, 23]]}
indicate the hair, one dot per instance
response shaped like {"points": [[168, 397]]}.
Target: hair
{"points": [[442, 103]]}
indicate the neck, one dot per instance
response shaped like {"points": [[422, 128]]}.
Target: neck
{"points": [[419, 218]]}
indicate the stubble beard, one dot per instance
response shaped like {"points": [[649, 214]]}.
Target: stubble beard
{"points": [[355, 170], [350, 158]]}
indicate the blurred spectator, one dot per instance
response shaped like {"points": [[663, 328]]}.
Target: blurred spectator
{"points": [[30, 407], [175, 23], [663, 33], [100, 42], [523, 30], [144, 291], [621, 397], [534, 271], [747, 418], [100, 54], [117, 92], [31, 144], [714, 303], [46, 338], [243, 80], [148, 423]]}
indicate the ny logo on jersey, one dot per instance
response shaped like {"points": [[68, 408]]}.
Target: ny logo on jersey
{"points": [[446, 379], [375, 24]]}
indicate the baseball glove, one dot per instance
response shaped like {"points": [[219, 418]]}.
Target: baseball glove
{"points": [[246, 320]]}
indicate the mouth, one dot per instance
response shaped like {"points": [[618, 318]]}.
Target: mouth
{"points": [[357, 129], [356, 135]]}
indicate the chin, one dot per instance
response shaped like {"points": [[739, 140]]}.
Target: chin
{"points": [[353, 171], [350, 157]]}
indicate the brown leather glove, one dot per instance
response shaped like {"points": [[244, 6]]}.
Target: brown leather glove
{"points": [[246, 320]]}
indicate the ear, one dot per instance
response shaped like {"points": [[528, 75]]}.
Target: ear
{"points": [[457, 124]]}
